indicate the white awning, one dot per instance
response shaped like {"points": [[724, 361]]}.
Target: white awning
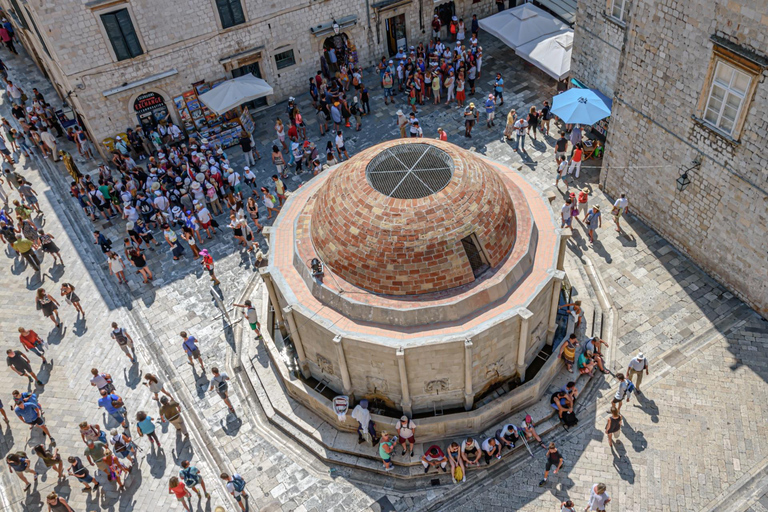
{"points": [[551, 53], [233, 93], [521, 24]]}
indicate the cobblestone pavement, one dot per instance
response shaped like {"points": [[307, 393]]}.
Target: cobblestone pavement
{"points": [[688, 443]]}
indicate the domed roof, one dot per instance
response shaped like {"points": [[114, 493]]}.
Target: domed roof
{"points": [[410, 217]]}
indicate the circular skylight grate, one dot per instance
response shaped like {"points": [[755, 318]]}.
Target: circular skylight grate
{"points": [[410, 171]]}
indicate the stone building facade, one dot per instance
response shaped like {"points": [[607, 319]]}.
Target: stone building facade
{"points": [[177, 43], [688, 82]]}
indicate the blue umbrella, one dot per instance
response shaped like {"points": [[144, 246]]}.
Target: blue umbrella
{"points": [[580, 106]]}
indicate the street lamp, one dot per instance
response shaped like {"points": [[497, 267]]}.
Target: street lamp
{"points": [[683, 181]]}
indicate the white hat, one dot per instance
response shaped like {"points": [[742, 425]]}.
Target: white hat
{"points": [[219, 151], [129, 226], [455, 18], [204, 141], [200, 177], [246, 168], [158, 193], [176, 210], [400, 113], [116, 138], [640, 355]]}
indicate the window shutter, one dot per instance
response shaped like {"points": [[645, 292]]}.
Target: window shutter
{"points": [[115, 36], [224, 13], [238, 16], [129, 33]]}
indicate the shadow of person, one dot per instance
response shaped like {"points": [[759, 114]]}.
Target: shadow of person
{"points": [[132, 376], [649, 407], [79, 328], [621, 462], [55, 335], [599, 249], [636, 437], [231, 425], [156, 461]]}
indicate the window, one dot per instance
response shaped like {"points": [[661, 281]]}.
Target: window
{"points": [[619, 9], [474, 254], [121, 34], [37, 31], [726, 97], [285, 59], [19, 14], [230, 12]]}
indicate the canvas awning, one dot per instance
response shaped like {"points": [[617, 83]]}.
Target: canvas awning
{"points": [[521, 25], [233, 93], [551, 53]]}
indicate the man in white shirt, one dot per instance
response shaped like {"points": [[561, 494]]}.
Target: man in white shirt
{"points": [[636, 367], [620, 208], [565, 214], [406, 433], [491, 449], [520, 126], [50, 142], [14, 92], [234, 181]]}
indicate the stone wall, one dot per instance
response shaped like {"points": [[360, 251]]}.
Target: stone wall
{"points": [[720, 219], [597, 43], [186, 35]]}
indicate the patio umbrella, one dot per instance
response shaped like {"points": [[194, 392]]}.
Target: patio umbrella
{"points": [[551, 53], [521, 24], [235, 92], [580, 106]]}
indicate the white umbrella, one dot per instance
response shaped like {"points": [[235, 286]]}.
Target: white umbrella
{"points": [[521, 24], [551, 53], [233, 93]]}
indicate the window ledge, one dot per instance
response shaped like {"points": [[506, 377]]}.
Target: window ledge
{"points": [[717, 131], [615, 20]]}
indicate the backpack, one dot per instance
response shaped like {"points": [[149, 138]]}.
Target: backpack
{"points": [[189, 477], [570, 419], [117, 402], [238, 483], [120, 336]]}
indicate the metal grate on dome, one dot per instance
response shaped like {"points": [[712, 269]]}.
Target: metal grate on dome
{"points": [[410, 171]]}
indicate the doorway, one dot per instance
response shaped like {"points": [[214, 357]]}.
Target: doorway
{"points": [[255, 70], [396, 34]]}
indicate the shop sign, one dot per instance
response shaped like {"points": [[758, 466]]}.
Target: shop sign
{"points": [[148, 102]]}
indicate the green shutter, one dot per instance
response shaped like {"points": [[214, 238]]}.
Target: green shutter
{"points": [[129, 33], [230, 12], [121, 34], [238, 16]]}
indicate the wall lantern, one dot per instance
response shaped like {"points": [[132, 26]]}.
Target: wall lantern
{"points": [[684, 180]]}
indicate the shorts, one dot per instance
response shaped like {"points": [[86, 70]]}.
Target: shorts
{"points": [[31, 199], [470, 123], [619, 213], [126, 348], [84, 479], [238, 188], [254, 326], [238, 498], [616, 400], [568, 221], [222, 394], [388, 93], [411, 440], [491, 115], [38, 421], [5, 152], [341, 148], [195, 353], [560, 154], [205, 225], [549, 464]]}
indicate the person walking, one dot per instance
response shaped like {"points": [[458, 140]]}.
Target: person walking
{"points": [[490, 110], [613, 426], [31, 414], [146, 427], [598, 498], [191, 349], [20, 363], [155, 386], [219, 382], [50, 458], [48, 305], [622, 392], [252, 317], [124, 341], [32, 343], [49, 247], [178, 489], [566, 217], [19, 463], [170, 411], [209, 265], [101, 380], [114, 406], [340, 147], [236, 487], [94, 452], [509, 128], [139, 261], [364, 422], [117, 267], [498, 89], [81, 473], [620, 208], [637, 366], [191, 477], [594, 221], [24, 247], [402, 124], [583, 203], [521, 126], [92, 432], [575, 165], [471, 116], [553, 459]]}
